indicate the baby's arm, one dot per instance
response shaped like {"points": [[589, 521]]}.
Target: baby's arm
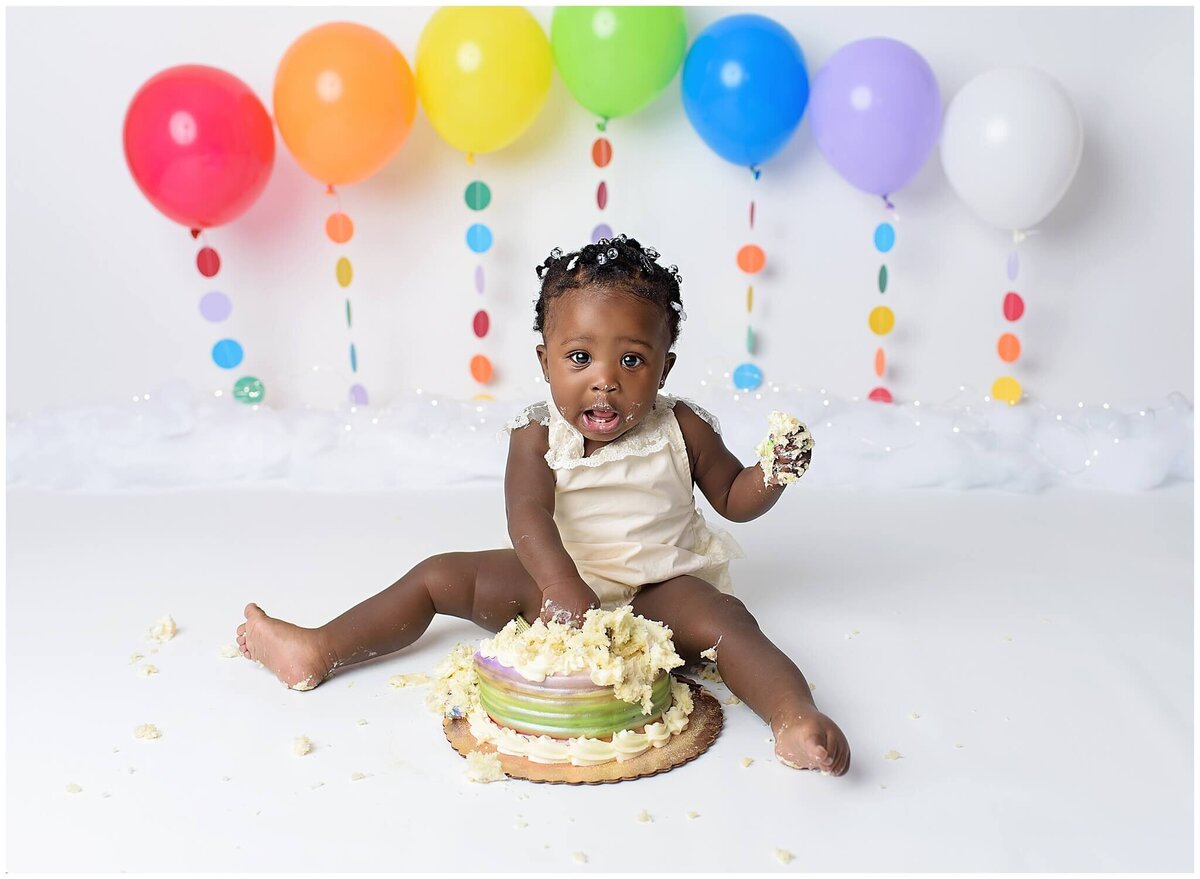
{"points": [[738, 493], [529, 504]]}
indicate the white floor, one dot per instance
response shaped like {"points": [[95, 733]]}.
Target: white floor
{"points": [[1044, 641]]}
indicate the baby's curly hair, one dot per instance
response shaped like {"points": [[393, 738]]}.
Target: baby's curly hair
{"points": [[618, 263]]}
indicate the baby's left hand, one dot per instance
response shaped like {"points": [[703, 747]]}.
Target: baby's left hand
{"points": [[785, 454]]}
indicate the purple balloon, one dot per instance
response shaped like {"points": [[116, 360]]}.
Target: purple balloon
{"points": [[876, 113]]}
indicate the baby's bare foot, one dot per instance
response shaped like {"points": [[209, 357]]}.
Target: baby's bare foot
{"points": [[290, 652], [807, 739]]}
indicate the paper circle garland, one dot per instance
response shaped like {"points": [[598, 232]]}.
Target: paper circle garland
{"points": [[1007, 389], [227, 353], [248, 389], [747, 377]]}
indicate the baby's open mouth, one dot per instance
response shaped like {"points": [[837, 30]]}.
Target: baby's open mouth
{"points": [[601, 419]]}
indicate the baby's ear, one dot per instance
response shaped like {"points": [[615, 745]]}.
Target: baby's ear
{"points": [[541, 354], [668, 365]]}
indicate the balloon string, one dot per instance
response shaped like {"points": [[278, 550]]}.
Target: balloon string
{"points": [[756, 171], [470, 158], [602, 125], [887, 203]]}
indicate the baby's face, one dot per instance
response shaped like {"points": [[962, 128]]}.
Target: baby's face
{"points": [[605, 354]]}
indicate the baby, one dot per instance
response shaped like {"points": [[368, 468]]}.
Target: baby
{"points": [[601, 512]]}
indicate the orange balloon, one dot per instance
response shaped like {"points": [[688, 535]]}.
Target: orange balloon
{"points": [[751, 259], [344, 101], [1009, 347], [481, 369]]}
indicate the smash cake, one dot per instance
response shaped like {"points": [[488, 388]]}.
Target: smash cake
{"points": [[552, 694]]}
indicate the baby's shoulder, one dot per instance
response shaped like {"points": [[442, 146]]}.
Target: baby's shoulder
{"points": [[690, 411], [535, 413]]}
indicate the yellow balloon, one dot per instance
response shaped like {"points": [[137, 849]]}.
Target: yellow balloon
{"points": [[483, 73], [1007, 389], [881, 320]]}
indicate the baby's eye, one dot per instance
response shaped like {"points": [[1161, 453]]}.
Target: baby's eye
{"points": [[631, 361], [579, 358]]}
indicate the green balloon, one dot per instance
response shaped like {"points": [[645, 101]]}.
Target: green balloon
{"points": [[617, 59]]}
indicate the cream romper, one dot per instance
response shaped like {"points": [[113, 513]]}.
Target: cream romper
{"points": [[627, 514]]}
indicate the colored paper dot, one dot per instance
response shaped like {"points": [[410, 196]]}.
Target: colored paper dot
{"points": [[208, 262], [479, 238], [248, 389], [478, 279], [602, 195], [344, 272], [880, 362], [747, 377], [358, 395], [1014, 306], [353, 358], [750, 298], [749, 340], [883, 279], [881, 320], [483, 397], [1009, 347], [480, 323], [751, 259], [215, 306], [481, 369], [601, 152], [880, 395], [1014, 265], [339, 228], [478, 196], [227, 354], [602, 231], [1006, 389], [885, 237], [349, 323]]}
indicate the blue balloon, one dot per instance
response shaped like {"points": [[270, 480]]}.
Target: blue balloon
{"points": [[747, 377], [745, 87]]}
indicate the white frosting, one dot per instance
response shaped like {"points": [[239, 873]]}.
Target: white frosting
{"points": [[617, 648], [586, 751]]}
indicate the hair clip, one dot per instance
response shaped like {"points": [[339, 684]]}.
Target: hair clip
{"points": [[612, 253], [571, 264], [602, 259], [541, 271], [621, 237], [603, 242], [556, 253], [678, 306], [650, 252]]}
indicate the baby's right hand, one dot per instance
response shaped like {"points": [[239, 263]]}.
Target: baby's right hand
{"points": [[567, 602]]}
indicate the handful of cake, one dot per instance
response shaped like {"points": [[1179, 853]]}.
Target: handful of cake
{"points": [[565, 699], [786, 452]]}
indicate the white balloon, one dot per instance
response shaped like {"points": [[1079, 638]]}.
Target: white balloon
{"points": [[1011, 142]]}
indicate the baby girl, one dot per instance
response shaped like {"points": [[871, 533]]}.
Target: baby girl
{"points": [[601, 512]]}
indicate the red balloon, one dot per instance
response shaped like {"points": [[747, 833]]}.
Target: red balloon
{"points": [[199, 144]]}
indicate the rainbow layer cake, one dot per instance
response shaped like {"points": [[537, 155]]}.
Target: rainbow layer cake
{"points": [[552, 693]]}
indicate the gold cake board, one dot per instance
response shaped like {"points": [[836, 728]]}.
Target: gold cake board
{"points": [[704, 725]]}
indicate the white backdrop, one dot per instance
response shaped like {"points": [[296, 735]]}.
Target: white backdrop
{"points": [[103, 291]]}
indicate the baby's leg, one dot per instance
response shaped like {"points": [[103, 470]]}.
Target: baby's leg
{"points": [[489, 588], [757, 671]]}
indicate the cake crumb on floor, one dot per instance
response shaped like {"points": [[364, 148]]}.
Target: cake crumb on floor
{"points": [[302, 745], [359, 776], [892, 755], [146, 731], [693, 814], [783, 856], [645, 817], [578, 857], [164, 630], [484, 768], [230, 651], [411, 680], [74, 789], [746, 761]]}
